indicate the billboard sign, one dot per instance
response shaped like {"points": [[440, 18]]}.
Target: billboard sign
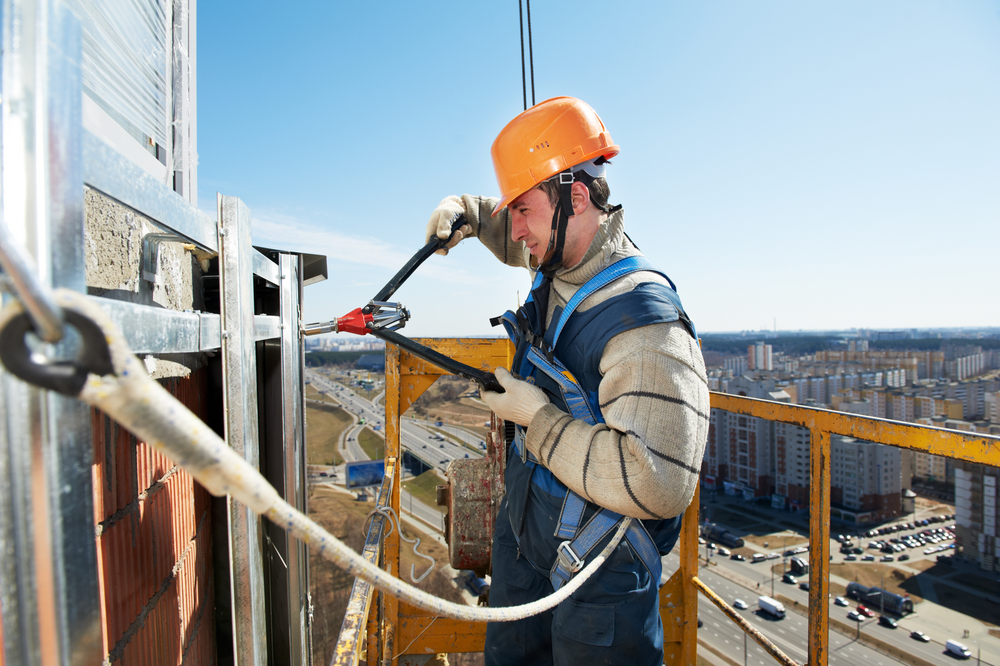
{"points": [[364, 473], [777, 501]]}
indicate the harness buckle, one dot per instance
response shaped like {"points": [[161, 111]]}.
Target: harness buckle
{"points": [[568, 559]]}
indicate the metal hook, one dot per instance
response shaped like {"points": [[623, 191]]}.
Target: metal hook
{"points": [[66, 377]]}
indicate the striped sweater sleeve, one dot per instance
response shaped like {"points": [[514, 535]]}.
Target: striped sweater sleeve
{"points": [[645, 459]]}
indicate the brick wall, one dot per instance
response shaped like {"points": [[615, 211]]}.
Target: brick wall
{"points": [[153, 546]]}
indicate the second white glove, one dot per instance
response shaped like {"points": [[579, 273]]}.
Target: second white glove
{"points": [[521, 401], [441, 220]]}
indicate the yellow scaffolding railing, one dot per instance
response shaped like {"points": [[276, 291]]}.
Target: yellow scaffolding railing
{"points": [[391, 625]]}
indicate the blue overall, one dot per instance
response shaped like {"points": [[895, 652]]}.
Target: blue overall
{"points": [[545, 532]]}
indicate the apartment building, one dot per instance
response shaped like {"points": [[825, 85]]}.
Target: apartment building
{"points": [[991, 406], [976, 511], [791, 448], [864, 480], [758, 458], [760, 357]]}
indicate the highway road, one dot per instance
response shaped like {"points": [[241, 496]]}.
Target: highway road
{"points": [[415, 436], [791, 633]]}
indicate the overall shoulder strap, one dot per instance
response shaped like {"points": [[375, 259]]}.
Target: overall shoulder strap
{"points": [[616, 270]]}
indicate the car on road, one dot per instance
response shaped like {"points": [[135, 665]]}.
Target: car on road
{"points": [[724, 552], [887, 621], [887, 558], [804, 586], [841, 601], [701, 541], [856, 616], [773, 556], [904, 557], [737, 557], [739, 603], [850, 558], [789, 578], [920, 636], [864, 610], [868, 558]]}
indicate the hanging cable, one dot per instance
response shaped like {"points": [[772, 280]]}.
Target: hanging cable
{"points": [[531, 55], [524, 82]]}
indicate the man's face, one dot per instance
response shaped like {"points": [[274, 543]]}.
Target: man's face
{"points": [[531, 216]]}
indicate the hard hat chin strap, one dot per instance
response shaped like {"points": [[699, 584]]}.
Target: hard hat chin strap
{"points": [[552, 260]]}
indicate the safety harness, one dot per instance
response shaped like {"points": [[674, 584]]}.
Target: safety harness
{"points": [[536, 360]]}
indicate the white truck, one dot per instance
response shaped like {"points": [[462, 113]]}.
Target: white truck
{"points": [[771, 606], [957, 649]]}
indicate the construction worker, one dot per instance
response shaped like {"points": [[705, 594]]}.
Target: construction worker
{"points": [[608, 391]]}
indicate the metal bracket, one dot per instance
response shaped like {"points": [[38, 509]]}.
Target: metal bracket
{"points": [[151, 254]]}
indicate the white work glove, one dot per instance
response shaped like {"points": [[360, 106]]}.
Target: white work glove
{"points": [[521, 401], [440, 223]]}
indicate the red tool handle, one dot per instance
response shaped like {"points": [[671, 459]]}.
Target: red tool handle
{"points": [[355, 322]]}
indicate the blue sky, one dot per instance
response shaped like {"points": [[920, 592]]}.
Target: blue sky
{"points": [[822, 165]]}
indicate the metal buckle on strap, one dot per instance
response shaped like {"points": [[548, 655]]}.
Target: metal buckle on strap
{"points": [[567, 559], [520, 445], [566, 178]]}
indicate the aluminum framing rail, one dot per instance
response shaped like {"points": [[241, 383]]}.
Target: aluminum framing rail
{"points": [[48, 573], [822, 423]]}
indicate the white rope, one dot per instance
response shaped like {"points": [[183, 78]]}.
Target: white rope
{"points": [[146, 409]]}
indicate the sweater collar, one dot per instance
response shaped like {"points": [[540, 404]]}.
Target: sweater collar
{"points": [[607, 241]]}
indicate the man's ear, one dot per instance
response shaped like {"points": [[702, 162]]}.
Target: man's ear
{"points": [[581, 197]]}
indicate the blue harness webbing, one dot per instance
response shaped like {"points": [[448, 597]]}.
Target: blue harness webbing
{"points": [[579, 541]]}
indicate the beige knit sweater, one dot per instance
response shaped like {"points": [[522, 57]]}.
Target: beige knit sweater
{"points": [[644, 460]]}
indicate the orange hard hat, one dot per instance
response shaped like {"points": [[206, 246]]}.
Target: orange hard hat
{"points": [[548, 138]]}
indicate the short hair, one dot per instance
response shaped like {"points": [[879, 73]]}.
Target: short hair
{"points": [[598, 187]]}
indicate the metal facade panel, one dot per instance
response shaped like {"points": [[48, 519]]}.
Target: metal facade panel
{"points": [[48, 587], [240, 400], [293, 446], [154, 546], [106, 170]]}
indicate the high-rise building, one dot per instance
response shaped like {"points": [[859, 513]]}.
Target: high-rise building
{"points": [[991, 407], [864, 480], [791, 448], [929, 466], [736, 365], [976, 511], [760, 357]]}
